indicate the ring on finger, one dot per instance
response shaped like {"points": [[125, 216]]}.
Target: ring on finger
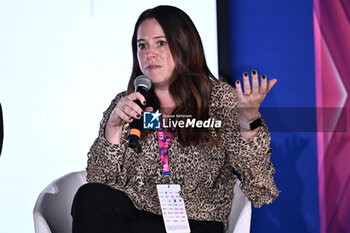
{"points": [[248, 93], [123, 107]]}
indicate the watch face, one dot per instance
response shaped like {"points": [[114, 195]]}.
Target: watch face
{"points": [[255, 124]]}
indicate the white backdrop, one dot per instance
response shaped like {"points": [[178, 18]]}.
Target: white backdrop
{"points": [[61, 63]]}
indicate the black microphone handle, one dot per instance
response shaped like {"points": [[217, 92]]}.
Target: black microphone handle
{"points": [[136, 126]]}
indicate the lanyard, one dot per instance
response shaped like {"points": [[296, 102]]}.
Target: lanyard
{"points": [[164, 142]]}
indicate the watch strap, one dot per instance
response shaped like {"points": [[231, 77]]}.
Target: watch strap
{"points": [[252, 124]]}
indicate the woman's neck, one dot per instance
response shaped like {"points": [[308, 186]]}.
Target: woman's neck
{"points": [[166, 102]]}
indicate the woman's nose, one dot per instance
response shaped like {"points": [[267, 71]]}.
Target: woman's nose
{"points": [[151, 53]]}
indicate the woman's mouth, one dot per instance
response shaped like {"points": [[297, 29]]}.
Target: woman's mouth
{"points": [[152, 67]]}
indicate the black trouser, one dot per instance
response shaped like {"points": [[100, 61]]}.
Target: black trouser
{"points": [[98, 208]]}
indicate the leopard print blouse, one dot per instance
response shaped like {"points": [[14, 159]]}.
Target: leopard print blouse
{"points": [[205, 173]]}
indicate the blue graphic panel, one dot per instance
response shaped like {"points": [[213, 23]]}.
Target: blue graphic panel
{"points": [[275, 37]]}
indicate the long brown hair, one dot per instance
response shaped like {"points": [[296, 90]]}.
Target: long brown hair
{"points": [[190, 84]]}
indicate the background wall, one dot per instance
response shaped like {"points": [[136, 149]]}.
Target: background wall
{"points": [[332, 49], [276, 38], [61, 63], [304, 44]]}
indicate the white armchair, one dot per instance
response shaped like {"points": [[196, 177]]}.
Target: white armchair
{"points": [[241, 212], [52, 209]]}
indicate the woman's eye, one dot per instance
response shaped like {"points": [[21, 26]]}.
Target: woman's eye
{"points": [[141, 46], [162, 43]]}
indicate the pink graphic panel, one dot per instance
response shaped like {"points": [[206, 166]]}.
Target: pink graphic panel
{"points": [[332, 55]]}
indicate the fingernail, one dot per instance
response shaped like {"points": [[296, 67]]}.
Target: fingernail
{"points": [[237, 82], [254, 72], [263, 76], [138, 116], [245, 74], [130, 118], [144, 102]]}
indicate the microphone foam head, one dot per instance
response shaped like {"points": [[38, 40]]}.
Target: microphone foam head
{"points": [[143, 81]]}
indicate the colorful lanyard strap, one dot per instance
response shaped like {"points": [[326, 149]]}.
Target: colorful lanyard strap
{"points": [[164, 142]]}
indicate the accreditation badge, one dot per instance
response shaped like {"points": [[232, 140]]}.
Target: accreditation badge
{"points": [[173, 208]]}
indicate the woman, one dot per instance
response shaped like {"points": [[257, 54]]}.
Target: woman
{"points": [[121, 195]]}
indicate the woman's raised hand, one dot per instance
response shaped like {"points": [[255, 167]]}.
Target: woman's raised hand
{"points": [[253, 95]]}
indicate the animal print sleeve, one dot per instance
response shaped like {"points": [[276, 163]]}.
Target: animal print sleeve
{"points": [[249, 157], [105, 159]]}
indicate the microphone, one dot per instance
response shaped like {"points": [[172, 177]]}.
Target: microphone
{"points": [[142, 84]]}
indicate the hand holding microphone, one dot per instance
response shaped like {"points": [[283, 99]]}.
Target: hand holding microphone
{"points": [[142, 85], [129, 110]]}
